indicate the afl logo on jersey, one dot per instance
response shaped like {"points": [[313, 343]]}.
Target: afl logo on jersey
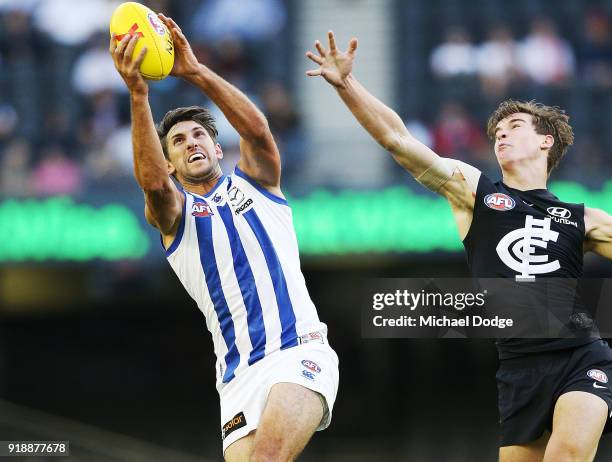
{"points": [[559, 212], [499, 201], [201, 209], [598, 375], [314, 367]]}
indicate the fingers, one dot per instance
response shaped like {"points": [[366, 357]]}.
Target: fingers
{"points": [[352, 46], [129, 49], [140, 58], [333, 48], [113, 43], [332, 41], [166, 20], [170, 24], [123, 53], [173, 24], [313, 57], [320, 49], [177, 34], [121, 45], [314, 73]]}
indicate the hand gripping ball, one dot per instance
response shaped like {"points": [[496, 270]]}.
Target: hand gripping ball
{"points": [[134, 18]]}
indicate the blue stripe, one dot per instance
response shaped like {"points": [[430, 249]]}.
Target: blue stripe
{"points": [[246, 281], [213, 281], [286, 313], [179, 232], [214, 188], [260, 188]]}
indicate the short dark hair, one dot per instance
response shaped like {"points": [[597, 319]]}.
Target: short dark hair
{"points": [[547, 120], [196, 113]]}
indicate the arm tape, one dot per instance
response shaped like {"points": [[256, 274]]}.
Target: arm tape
{"points": [[437, 175], [443, 169]]}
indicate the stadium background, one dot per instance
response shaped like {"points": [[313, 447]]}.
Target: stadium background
{"points": [[101, 346]]}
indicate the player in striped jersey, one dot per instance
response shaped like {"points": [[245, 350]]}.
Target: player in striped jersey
{"points": [[231, 242]]}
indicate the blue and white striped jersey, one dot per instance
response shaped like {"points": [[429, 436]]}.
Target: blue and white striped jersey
{"points": [[236, 254]]}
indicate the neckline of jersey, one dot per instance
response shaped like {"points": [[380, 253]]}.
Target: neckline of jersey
{"points": [[209, 193], [526, 190]]}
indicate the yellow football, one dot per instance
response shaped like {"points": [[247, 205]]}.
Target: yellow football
{"points": [[134, 18]]}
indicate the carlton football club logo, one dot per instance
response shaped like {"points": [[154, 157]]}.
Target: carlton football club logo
{"points": [[201, 209], [517, 249], [499, 201]]}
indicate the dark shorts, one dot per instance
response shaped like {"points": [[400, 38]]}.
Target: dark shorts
{"points": [[528, 388]]}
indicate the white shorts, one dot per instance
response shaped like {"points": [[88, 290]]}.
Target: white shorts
{"points": [[312, 365]]}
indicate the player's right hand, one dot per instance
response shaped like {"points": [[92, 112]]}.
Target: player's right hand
{"points": [[128, 68], [185, 62], [334, 65]]}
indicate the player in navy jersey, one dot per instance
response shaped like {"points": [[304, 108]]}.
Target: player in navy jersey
{"points": [[231, 242], [554, 394]]}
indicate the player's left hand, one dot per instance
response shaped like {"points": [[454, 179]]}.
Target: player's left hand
{"points": [[185, 61], [127, 66], [334, 65]]}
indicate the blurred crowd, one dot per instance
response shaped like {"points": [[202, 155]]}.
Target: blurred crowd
{"points": [[470, 77], [64, 112]]}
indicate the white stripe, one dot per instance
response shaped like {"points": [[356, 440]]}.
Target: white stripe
{"points": [[263, 282], [231, 288], [277, 222]]}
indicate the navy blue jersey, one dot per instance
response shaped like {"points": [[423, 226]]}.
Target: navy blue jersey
{"points": [[525, 235]]}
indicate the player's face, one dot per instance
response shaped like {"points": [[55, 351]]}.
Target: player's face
{"points": [[516, 140], [192, 151]]}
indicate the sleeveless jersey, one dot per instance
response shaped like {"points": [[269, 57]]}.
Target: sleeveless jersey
{"points": [[236, 254], [525, 235]]}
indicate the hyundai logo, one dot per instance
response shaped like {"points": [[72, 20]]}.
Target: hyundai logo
{"points": [[559, 212]]}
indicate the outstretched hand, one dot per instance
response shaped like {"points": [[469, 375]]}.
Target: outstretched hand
{"points": [[185, 61], [334, 65], [126, 65]]}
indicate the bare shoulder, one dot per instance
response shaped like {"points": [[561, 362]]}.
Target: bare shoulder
{"points": [[460, 190], [261, 161], [165, 210], [598, 232], [256, 179], [596, 220]]}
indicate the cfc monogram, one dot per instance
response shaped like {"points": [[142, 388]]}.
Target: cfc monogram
{"points": [[516, 249]]}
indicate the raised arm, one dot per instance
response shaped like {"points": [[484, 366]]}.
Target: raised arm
{"points": [[385, 126], [163, 201], [455, 180], [598, 232], [259, 156]]}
